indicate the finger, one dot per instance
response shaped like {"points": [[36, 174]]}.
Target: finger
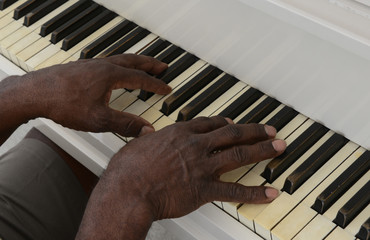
{"points": [[234, 192], [140, 62], [136, 79], [240, 155], [234, 134], [126, 124], [206, 124]]}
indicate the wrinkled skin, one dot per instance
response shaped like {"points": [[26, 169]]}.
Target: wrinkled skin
{"points": [[158, 175], [174, 171], [76, 94]]}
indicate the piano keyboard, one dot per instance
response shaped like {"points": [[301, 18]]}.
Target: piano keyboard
{"points": [[323, 177]]}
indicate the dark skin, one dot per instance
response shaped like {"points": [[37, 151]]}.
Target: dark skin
{"points": [[158, 175], [76, 94]]}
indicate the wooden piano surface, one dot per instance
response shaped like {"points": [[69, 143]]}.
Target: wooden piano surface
{"points": [[306, 66]]}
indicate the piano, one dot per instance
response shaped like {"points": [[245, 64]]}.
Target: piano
{"points": [[302, 66]]}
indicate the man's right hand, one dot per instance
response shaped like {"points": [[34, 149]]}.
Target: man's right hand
{"points": [[172, 172]]}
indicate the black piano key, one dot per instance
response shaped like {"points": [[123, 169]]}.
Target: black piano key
{"points": [[107, 39], [353, 207], [172, 72], [294, 151], [170, 54], [90, 27], [126, 42], [242, 103], [41, 11], [64, 16], [6, 3], [155, 48], [364, 232], [282, 118], [340, 185], [314, 162], [207, 97], [260, 112], [26, 7], [76, 22], [189, 89]]}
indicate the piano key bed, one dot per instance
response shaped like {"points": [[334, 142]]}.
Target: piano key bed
{"points": [[323, 177]]}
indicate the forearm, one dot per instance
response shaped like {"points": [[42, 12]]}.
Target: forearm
{"points": [[114, 214], [18, 105]]}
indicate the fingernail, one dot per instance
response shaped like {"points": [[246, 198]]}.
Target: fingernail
{"points": [[271, 193], [271, 131], [146, 130], [279, 145], [229, 120]]}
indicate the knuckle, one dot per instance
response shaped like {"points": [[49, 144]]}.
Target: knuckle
{"points": [[265, 147], [255, 129], [240, 155], [252, 194], [234, 132], [233, 190]]}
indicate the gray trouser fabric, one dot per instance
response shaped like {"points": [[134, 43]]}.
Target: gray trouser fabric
{"points": [[40, 198]]}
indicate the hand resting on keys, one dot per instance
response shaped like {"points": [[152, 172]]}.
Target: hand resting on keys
{"points": [[172, 172], [76, 94], [158, 175]]}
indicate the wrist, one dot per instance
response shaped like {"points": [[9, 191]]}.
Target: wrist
{"points": [[20, 98], [115, 212]]}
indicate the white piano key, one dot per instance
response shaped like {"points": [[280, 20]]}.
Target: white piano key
{"points": [[35, 27], [279, 182], [116, 93], [73, 58], [273, 113], [293, 223], [249, 180], [223, 99], [318, 228], [273, 213], [6, 20], [230, 101], [331, 213], [339, 234], [41, 56], [234, 175], [123, 101], [250, 108], [22, 44], [157, 100], [248, 212], [137, 108], [99, 55], [30, 51], [354, 226], [162, 122], [10, 28], [62, 55], [294, 124], [175, 113], [282, 134], [310, 199], [151, 115], [142, 43], [11, 8], [325, 170]]}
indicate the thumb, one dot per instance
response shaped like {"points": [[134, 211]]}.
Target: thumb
{"points": [[127, 124]]}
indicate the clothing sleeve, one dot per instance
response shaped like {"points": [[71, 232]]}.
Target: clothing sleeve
{"points": [[40, 197]]}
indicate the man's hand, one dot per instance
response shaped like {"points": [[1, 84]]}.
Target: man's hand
{"points": [[174, 171], [76, 95]]}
